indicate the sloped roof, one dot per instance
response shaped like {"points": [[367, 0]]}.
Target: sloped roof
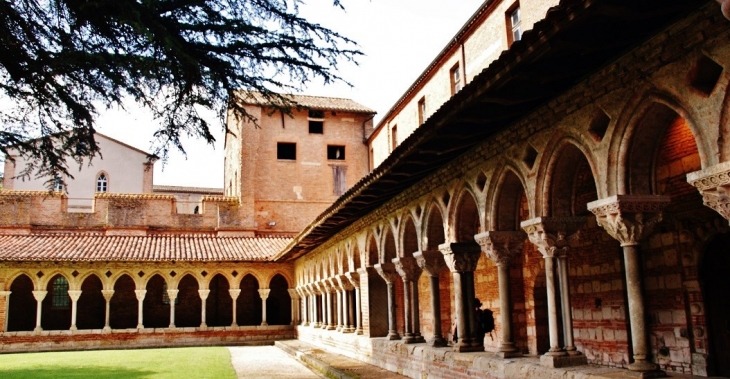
{"points": [[576, 38], [310, 102], [100, 247], [182, 189]]}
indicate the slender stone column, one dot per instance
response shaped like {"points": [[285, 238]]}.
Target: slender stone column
{"points": [[624, 218], [388, 273], [329, 322], [234, 292], [409, 272], [461, 259], [347, 313], [354, 279], [548, 234], [140, 301], [337, 307], [39, 296], [264, 293], [714, 182], [501, 248], [294, 305], [562, 258], [172, 298], [6, 294], [432, 261], [74, 295], [203, 297], [107, 299]]}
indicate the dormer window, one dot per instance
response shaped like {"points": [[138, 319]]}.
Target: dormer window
{"points": [[101, 183]]}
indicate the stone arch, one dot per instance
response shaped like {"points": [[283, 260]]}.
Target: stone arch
{"points": [[248, 304], [223, 273], [509, 195], [557, 177], [219, 305], [16, 274], [169, 280], [22, 306], [49, 276], [357, 257], [156, 303], [281, 273], [372, 250], [123, 305], [278, 304], [409, 236], [256, 275], [434, 231], [189, 307], [116, 276], [91, 306], [388, 244], [56, 306], [634, 137], [465, 220]]}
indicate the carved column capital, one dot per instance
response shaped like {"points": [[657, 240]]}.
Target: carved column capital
{"points": [[204, 293], [40, 295], [714, 183], [624, 217], [552, 235], [387, 272], [344, 283], [172, 295], [74, 294], [501, 247], [333, 285], [264, 293], [407, 268], [234, 292], [140, 294], [293, 294], [354, 279], [107, 294], [461, 256], [431, 261], [5, 293]]}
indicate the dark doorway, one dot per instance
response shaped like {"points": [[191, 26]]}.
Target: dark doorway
{"points": [[21, 315], [156, 304], [715, 268], [248, 306], [278, 304], [219, 305], [92, 306], [123, 306]]}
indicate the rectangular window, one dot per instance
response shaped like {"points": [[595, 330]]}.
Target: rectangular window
{"points": [[393, 137], [60, 293], [336, 152], [339, 180], [455, 79], [286, 151], [316, 122], [421, 110], [514, 24]]}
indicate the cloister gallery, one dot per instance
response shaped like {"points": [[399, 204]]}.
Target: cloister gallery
{"points": [[577, 187]]}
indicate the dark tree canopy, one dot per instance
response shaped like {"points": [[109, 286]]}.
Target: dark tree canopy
{"points": [[63, 60]]}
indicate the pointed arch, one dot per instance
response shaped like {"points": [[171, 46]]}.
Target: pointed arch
{"points": [[22, 306], [248, 304], [156, 303], [219, 305], [91, 306], [278, 304], [465, 220], [56, 306], [434, 226], [508, 196], [409, 236], [123, 305], [189, 307]]}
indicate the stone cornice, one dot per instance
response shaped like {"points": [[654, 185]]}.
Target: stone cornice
{"points": [[501, 246], [611, 215]]}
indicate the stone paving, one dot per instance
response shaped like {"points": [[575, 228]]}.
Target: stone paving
{"points": [[267, 362]]}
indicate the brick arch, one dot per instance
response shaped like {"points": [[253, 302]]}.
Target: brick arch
{"points": [[433, 233], [80, 279], [123, 305], [626, 134], [52, 317], [552, 162], [174, 282], [248, 304], [372, 246], [171, 283], [156, 303], [278, 304], [505, 192], [219, 305]]}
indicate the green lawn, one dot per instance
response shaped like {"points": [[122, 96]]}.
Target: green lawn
{"points": [[187, 362]]}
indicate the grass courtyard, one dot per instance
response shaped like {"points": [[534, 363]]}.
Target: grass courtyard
{"points": [[187, 362]]}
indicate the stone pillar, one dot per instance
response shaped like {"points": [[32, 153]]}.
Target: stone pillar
{"points": [[6, 295], [172, 297], [328, 320], [234, 292], [140, 301], [714, 183], [294, 305], [548, 234], [107, 298], [354, 279], [347, 312], [337, 307], [501, 248], [432, 261], [74, 295], [264, 293], [388, 273], [629, 219], [39, 296], [203, 297], [461, 258], [408, 269]]}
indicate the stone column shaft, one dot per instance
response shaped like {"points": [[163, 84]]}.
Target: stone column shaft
{"points": [[432, 261], [234, 292], [462, 258], [140, 301], [39, 296], [203, 298], [172, 297], [107, 299], [264, 293], [74, 295], [388, 273]]}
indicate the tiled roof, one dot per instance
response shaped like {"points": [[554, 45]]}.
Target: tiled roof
{"points": [[99, 247], [311, 102], [200, 190]]}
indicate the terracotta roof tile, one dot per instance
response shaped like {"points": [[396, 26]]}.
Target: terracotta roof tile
{"points": [[99, 247], [311, 102]]}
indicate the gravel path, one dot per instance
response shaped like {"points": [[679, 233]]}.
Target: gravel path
{"points": [[267, 362]]}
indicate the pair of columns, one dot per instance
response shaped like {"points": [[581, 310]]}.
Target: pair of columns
{"points": [[328, 304], [408, 270]]}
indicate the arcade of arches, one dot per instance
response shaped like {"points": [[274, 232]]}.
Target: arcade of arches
{"points": [[595, 227]]}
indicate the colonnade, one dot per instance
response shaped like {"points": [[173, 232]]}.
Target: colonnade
{"points": [[333, 303]]}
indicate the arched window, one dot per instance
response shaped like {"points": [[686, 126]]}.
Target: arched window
{"points": [[101, 183], [60, 293]]}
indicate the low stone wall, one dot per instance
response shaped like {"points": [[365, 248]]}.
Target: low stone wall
{"points": [[55, 340]]}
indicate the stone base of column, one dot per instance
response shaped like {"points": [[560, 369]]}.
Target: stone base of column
{"points": [[140, 326], [437, 342], [348, 330], [508, 354], [413, 339], [467, 347], [644, 369], [73, 328], [393, 336], [106, 330], [38, 329], [330, 327], [557, 361], [358, 332]]}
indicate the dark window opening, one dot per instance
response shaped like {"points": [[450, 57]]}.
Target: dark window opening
{"points": [[286, 150], [335, 152], [316, 114], [316, 127], [705, 75]]}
